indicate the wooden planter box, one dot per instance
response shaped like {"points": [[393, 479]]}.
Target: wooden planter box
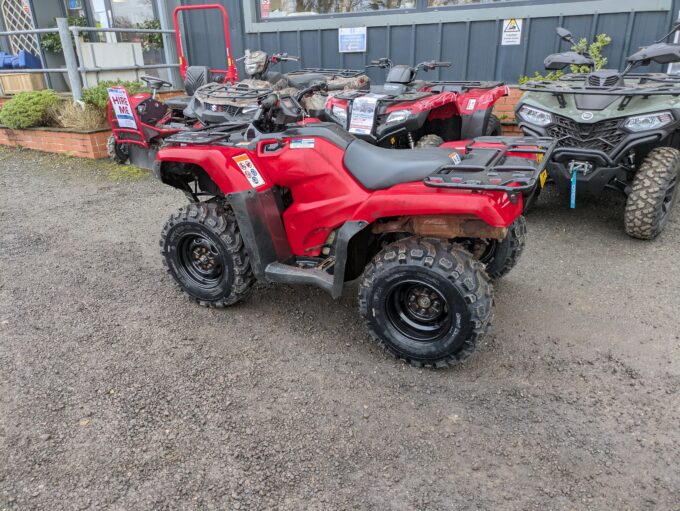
{"points": [[84, 144], [21, 82]]}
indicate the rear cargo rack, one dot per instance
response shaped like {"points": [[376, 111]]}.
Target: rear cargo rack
{"points": [[497, 168]]}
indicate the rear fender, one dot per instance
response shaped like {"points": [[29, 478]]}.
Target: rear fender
{"points": [[415, 199]]}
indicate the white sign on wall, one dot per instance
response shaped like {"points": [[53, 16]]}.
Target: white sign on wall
{"points": [[512, 32], [352, 40]]}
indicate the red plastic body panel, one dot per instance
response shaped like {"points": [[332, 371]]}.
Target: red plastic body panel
{"points": [[443, 105], [231, 73], [326, 195]]}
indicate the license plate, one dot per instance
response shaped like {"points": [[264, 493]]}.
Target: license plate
{"points": [[543, 177]]}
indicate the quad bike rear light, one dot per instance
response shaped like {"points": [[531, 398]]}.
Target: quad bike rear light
{"points": [[648, 122]]}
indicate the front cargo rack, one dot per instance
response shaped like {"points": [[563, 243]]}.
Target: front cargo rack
{"points": [[206, 136], [341, 73], [228, 92], [463, 84], [502, 166]]}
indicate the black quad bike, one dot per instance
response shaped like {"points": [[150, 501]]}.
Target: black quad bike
{"points": [[614, 129], [407, 112]]}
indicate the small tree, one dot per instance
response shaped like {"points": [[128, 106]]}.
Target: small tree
{"points": [[595, 49]]}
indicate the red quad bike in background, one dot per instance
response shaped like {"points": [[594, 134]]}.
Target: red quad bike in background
{"points": [[303, 202], [140, 122], [407, 113]]}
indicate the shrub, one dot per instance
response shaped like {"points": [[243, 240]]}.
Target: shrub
{"points": [[29, 109], [595, 50], [69, 114], [99, 97]]}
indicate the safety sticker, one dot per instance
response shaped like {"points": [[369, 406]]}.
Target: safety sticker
{"points": [[471, 104], [302, 143], [455, 158], [249, 170]]}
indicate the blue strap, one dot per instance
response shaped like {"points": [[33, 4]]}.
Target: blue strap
{"points": [[573, 189]]}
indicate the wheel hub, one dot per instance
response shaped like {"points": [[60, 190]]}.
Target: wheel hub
{"points": [[424, 303], [201, 258]]}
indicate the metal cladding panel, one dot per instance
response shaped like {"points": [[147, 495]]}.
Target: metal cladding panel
{"points": [[472, 46]]}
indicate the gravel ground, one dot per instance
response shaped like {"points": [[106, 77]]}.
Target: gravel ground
{"points": [[116, 392]]}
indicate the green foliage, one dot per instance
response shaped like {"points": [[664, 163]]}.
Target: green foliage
{"points": [[29, 109], [52, 42], [99, 97], [595, 50], [553, 75], [151, 41]]}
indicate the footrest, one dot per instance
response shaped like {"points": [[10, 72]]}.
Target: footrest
{"points": [[285, 274]]}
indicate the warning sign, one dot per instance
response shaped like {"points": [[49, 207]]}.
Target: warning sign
{"points": [[249, 170], [512, 32]]}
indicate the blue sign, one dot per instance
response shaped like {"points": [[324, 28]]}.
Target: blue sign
{"points": [[352, 40]]}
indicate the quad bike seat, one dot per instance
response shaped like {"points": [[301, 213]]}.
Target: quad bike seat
{"points": [[302, 81], [377, 168], [195, 77]]}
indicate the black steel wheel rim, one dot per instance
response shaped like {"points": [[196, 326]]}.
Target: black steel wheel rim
{"points": [[418, 311], [200, 260]]}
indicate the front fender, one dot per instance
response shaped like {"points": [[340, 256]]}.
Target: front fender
{"points": [[218, 165]]}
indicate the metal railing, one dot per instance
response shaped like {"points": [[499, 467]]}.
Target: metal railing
{"points": [[73, 56]]}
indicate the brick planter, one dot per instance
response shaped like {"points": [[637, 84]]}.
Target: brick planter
{"points": [[505, 110], [84, 144]]}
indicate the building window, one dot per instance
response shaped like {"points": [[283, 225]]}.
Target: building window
{"points": [[446, 3], [279, 8]]}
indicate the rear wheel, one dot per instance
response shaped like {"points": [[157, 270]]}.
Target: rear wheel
{"points": [[117, 152], [429, 141], [204, 252], [426, 301], [654, 193], [501, 256], [493, 127]]}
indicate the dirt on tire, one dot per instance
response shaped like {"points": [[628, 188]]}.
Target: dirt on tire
{"points": [[645, 215]]}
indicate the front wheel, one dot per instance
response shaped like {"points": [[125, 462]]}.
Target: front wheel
{"points": [[654, 193], [493, 127], [204, 252], [120, 153], [429, 141], [501, 256], [427, 301]]}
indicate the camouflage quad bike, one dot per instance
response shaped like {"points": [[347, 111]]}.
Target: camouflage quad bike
{"points": [[613, 129], [215, 103]]}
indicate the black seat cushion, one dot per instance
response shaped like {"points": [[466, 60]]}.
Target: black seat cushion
{"points": [[178, 102], [304, 80], [377, 168]]}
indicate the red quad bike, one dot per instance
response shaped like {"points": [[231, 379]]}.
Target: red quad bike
{"points": [[407, 113], [140, 122], [304, 202]]}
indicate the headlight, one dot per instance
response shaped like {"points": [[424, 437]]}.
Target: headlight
{"points": [[340, 114], [648, 122], [535, 116], [398, 116]]}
